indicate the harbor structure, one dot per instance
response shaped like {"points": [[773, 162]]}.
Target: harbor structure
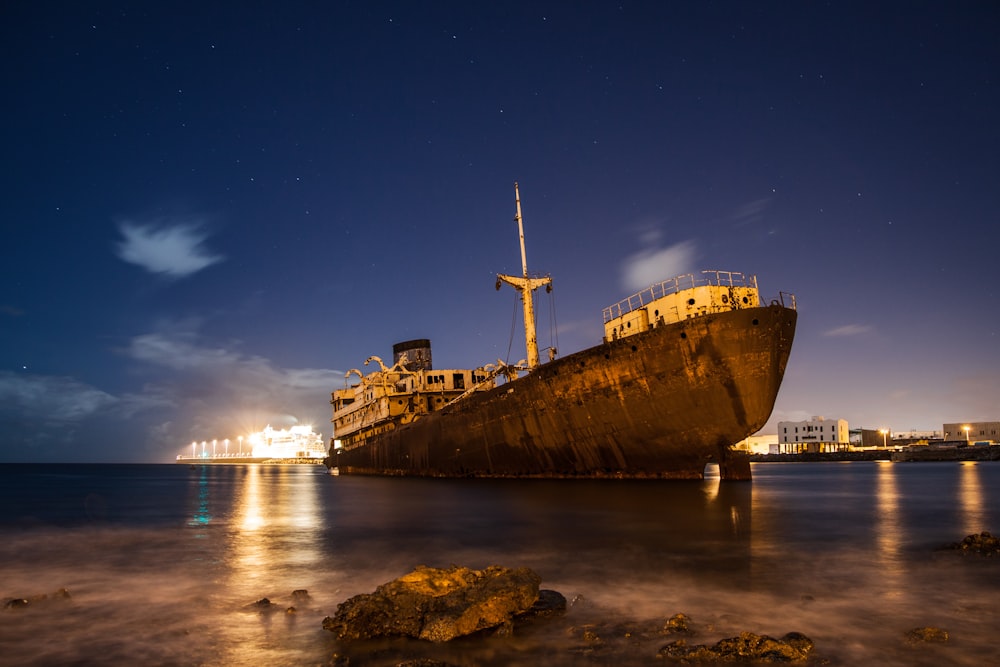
{"points": [[297, 444], [815, 435], [973, 433]]}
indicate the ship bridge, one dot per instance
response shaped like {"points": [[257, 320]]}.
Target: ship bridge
{"points": [[680, 298]]}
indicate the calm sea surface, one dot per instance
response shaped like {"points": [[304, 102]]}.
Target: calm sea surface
{"points": [[164, 562]]}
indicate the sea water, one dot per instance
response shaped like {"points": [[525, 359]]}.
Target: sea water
{"points": [[164, 564]]}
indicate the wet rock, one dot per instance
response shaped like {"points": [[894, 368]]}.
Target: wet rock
{"points": [[437, 604], [300, 596], [927, 634], [678, 624], [549, 603], [793, 647], [983, 544], [588, 633], [263, 605], [35, 600]]}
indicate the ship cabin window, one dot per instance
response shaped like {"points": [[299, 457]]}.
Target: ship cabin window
{"points": [[458, 381]]}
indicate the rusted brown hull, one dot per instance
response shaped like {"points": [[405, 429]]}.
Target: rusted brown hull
{"points": [[660, 404]]}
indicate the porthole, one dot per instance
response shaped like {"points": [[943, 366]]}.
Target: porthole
{"points": [[634, 348], [746, 300], [656, 313], [684, 334], [690, 302], [725, 298], [756, 321]]}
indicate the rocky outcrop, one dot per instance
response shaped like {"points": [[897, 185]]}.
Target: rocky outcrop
{"points": [[36, 600], [928, 634], [983, 544], [300, 598], [793, 647], [438, 604], [678, 624]]}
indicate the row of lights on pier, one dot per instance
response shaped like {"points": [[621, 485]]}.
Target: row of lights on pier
{"points": [[204, 445]]}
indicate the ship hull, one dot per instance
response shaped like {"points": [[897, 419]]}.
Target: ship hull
{"points": [[660, 404]]}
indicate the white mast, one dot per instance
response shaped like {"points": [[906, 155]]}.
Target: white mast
{"points": [[525, 286]]}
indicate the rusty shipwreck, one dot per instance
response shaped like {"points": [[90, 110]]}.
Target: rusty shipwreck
{"points": [[687, 368]]}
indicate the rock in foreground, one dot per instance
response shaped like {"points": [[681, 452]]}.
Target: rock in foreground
{"points": [[437, 604], [984, 544], [793, 647]]}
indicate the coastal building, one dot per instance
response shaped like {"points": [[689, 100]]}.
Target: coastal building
{"points": [[973, 433], [871, 438], [818, 434], [758, 444], [915, 437]]}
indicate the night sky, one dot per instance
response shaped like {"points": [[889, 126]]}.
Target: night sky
{"points": [[211, 211]]}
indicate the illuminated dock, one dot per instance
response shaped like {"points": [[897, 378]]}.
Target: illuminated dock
{"points": [[299, 444]]}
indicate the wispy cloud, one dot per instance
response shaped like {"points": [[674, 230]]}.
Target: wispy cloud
{"points": [[848, 330], [57, 399], [39, 414], [187, 390], [655, 262], [750, 212], [174, 249], [220, 391]]}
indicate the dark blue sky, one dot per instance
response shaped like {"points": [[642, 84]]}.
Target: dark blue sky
{"points": [[212, 210]]}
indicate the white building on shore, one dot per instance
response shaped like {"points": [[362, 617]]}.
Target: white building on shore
{"points": [[818, 434]]}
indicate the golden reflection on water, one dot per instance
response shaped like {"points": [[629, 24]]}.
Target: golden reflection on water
{"points": [[970, 498], [279, 520], [888, 532], [274, 548]]}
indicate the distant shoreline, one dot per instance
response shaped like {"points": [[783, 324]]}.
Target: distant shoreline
{"points": [[991, 453]]}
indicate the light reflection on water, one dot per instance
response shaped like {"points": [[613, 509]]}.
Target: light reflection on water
{"points": [[970, 498], [168, 569], [888, 532]]}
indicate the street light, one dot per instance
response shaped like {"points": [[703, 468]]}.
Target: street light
{"points": [[203, 444], [241, 444], [226, 441], [193, 445], [966, 429], [884, 432], [214, 442]]}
